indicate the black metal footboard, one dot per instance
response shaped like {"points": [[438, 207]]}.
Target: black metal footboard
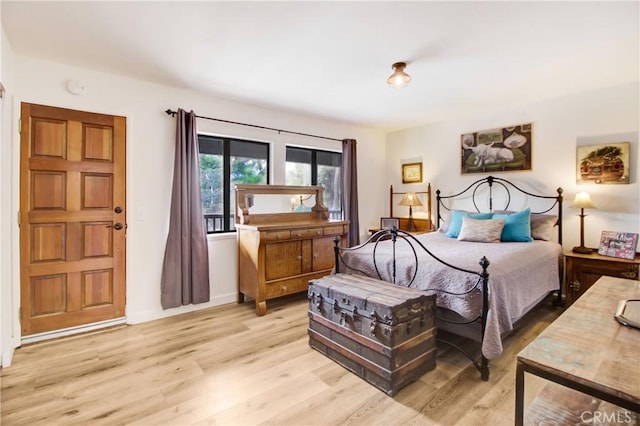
{"points": [[481, 283]]}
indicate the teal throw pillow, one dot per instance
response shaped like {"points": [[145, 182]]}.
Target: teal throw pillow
{"points": [[455, 224], [517, 226]]}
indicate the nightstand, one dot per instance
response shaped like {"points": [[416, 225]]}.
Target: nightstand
{"points": [[582, 270]]}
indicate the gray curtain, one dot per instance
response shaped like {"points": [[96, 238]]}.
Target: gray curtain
{"points": [[185, 271], [350, 189]]}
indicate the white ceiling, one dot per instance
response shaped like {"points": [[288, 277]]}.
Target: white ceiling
{"points": [[331, 59]]}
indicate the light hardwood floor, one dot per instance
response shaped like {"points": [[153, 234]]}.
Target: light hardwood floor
{"points": [[225, 365]]}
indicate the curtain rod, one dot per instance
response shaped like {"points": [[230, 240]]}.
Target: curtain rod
{"points": [[173, 114]]}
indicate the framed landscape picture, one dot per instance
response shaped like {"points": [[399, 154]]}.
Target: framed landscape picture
{"points": [[412, 173], [618, 244]]}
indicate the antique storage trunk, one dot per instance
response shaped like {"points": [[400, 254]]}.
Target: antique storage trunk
{"points": [[382, 332]]}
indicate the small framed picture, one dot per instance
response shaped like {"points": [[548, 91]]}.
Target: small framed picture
{"points": [[412, 173], [618, 244], [389, 222]]}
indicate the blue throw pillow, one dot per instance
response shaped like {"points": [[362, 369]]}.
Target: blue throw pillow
{"points": [[517, 226], [455, 224]]}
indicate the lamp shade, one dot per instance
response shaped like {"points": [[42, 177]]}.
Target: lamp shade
{"points": [[399, 78], [410, 199], [582, 201]]}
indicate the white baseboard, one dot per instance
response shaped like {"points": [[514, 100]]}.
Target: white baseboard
{"points": [[140, 317], [134, 318], [7, 357], [72, 330]]}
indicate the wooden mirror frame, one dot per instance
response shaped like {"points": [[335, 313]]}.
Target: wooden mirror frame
{"points": [[244, 192]]}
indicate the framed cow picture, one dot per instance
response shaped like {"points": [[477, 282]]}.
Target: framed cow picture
{"points": [[497, 150]]}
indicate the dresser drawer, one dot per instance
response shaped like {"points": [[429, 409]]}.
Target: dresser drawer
{"points": [[277, 235], [306, 233], [292, 285], [283, 287], [610, 268], [334, 230], [625, 271]]}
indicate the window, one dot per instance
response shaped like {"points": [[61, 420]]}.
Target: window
{"points": [[314, 167], [224, 163]]}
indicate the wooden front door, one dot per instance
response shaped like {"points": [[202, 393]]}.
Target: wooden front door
{"points": [[72, 218]]}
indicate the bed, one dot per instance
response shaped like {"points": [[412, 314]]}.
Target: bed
{"points": [[482, 288]]}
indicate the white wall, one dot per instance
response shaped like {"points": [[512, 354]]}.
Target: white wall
{"points": [[4, 229], [9, 299], [601, 116], [150, 140]]}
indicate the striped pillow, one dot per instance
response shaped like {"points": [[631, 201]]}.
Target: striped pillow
{"points": [[481, 231]]}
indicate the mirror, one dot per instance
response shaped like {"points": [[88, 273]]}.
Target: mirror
{"points": [[262, 203], [280, 203]]}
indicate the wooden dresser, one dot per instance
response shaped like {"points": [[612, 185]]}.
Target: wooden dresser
{"points": [[585, 269], [278, 253]]}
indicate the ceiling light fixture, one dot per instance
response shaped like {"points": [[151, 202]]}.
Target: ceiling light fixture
{"points": [[399, 78]]}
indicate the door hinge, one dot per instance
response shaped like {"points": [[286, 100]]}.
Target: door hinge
{"points": [[18, 218], [20, 125], [20, 314]]}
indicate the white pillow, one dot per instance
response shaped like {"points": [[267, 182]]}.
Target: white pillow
{"points": [[481, 230]]}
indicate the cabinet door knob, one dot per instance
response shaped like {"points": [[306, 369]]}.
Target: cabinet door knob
{"points": [[299, 257], [575, 285]]}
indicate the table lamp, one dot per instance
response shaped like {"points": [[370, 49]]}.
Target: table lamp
{"points": [[582, 201], [410, 199]]}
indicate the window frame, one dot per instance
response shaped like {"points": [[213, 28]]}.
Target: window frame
{"points": [[227, 212], [314, 166]]}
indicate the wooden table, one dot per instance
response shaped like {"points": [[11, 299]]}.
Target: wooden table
{"points": [[586, 349]]}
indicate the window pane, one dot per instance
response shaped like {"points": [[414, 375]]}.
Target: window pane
{"points": [[326, 158], [245, 171], [314, 167], [224, 163], [298, 174], [298, 155], [258, 150], [329, 178], [211, 191]]}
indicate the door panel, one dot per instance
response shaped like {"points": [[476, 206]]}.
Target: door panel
{"points": [[283, 259], [323, 254], [72, 175]]}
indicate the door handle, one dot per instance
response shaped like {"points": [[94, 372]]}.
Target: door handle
{"points": [[117, 226], [575, 285], [118, 209]]}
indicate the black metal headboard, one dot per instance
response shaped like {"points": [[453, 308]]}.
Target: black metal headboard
{"points": [[489, 181]]}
